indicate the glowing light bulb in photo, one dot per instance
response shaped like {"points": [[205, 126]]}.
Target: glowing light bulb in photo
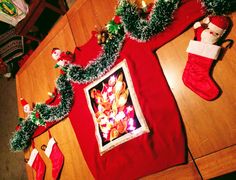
{"points": [[144, 5]]}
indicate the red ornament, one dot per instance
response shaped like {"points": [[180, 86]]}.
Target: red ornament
{"points": [[18, 127], [62, 72], [117, 20], [149, 8], [37, 115]]}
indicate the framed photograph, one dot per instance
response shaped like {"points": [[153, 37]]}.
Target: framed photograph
{"points": [[114, 106]]}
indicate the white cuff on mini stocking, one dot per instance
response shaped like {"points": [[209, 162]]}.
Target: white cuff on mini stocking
{"points": [[203, 49], [33, 155], [48, 150]]}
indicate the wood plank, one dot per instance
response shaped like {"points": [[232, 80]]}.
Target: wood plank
{"points": [[39, 74], [33, 82], [218, 163], [184, 172], [75, 166], [83, 17], [53, 32], [210, 125]]}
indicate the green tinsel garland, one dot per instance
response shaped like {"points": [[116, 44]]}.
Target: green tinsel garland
{"points": [[21, 138], [143, 29], [217, 7], [137, 28], [101, 64], [160, 16], [52, 113]]}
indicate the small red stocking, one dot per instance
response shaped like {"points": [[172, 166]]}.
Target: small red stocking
{"points": [[196, 74], [53, 152], [36, 162]]}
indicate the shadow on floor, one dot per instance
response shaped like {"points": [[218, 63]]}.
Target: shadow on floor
{"points": [[13, 165]]}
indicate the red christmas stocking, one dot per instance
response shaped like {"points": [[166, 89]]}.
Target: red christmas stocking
{"points": [[36, 162], [196, 73], [53, 152]]}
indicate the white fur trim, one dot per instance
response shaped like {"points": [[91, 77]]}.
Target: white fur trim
{"points": [[216, 29], [33, 155], [48, 150], [206, 20], [61, 63], [196, 25], [203, 49]]}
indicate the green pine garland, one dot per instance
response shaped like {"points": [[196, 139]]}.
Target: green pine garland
{"points": [[160, 16], [101, 64], [35, 118], [143, 29], [217, 7], [51, 113], [114, 28], [21, 138], [132, 25]]}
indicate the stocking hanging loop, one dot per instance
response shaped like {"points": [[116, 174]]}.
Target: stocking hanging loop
{"points": [[229, 42], [43, 147], [26, 160]]}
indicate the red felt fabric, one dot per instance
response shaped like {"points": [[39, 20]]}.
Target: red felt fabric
{"points": [[57, 160], [39, 166], [189, 12], [196, 76], [165, 145], [54, 101]]}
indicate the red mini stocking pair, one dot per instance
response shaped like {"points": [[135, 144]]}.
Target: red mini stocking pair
{"points": [[53, 152]]}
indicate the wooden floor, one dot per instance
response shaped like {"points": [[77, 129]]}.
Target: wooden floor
{"points": [[210, 126]]}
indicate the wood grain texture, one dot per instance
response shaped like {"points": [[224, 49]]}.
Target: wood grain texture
{"points": [[37, 76], [84, 16], [33, 82], [52, 33], [218, 163], [75, 166], [210, 125], [181, 172]]}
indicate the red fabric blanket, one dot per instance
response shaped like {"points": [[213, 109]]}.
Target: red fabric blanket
{"points": [[109, 152]]}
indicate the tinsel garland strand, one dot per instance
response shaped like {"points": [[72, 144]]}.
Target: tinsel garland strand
{"points": [[137, 28], [21, 138], [143, 29], [52, 113], [160, 16], [217, 7], [100, 65]]}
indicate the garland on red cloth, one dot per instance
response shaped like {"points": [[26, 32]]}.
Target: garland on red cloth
{"points": [[130, 24], [143, 29]]}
